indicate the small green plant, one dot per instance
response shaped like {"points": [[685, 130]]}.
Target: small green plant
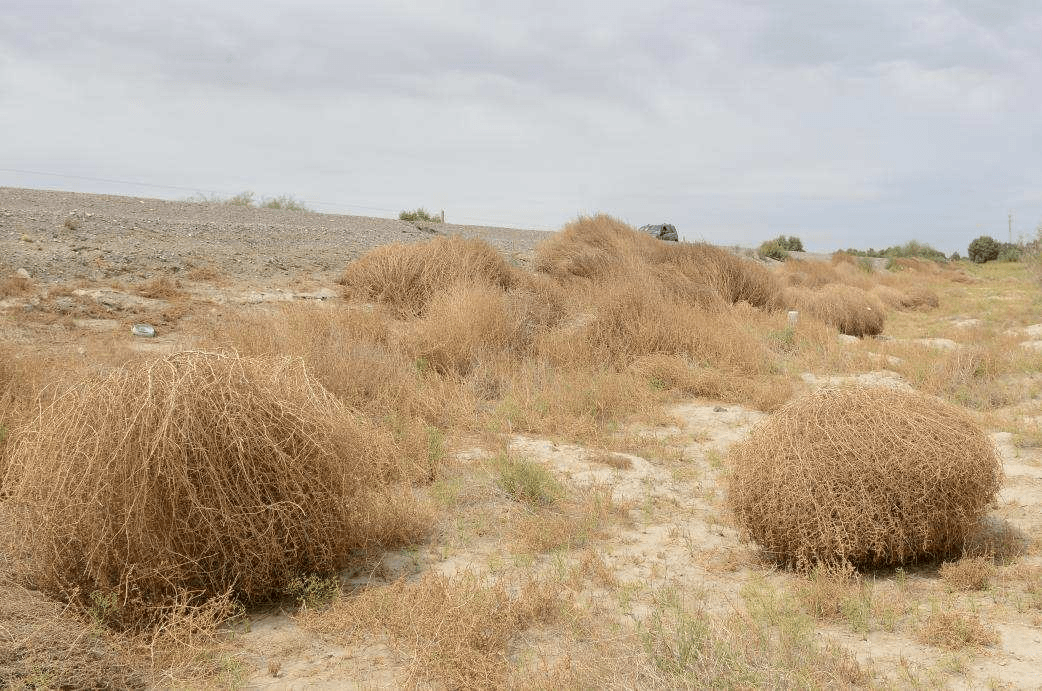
{"points": [[420, 214], [983, 249], [285, 201], [240, 199], [784, 339], [313, 591], [526, 482], [104, 607], [435, 446]]}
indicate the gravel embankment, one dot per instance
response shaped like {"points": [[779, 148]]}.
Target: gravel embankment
{"points": [[60, 236]]}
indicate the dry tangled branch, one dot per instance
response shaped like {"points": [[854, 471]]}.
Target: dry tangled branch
{"points": [[871, 476], [195, 471]]}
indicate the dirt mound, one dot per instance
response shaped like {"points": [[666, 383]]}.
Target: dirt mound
{"points": [[872, 476]]}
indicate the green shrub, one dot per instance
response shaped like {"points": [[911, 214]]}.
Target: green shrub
{"points": [[911, 249], [526, 481], [285, 201], [955, 257], [779, 245], [774, 250], [420, 214], [983, 249], [1009, 252]]}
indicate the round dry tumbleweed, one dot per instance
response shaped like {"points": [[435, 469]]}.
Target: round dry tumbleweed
{"points": [[868, 475]]}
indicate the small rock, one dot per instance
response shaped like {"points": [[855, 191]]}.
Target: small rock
{"points": [[22, 273], [143, 330], [847, 339], [64, 303], [719, 409], [26, 238]]}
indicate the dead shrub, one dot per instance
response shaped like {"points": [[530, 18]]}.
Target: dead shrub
{"points": [[955, 630], [851, 310], [462, 325], [601, 248], [573, 402], [628, 319], [48, 644], [15, 286], [968, 573], [454, 631], [162, 287], [888, 295], [194, 472], [405, 276], [920, 298], [734, 278], [356, 354], [870, 476], [807, 273], [675, 372]]}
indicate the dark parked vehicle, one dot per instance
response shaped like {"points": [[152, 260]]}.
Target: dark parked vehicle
{"points": [[662, 231]]}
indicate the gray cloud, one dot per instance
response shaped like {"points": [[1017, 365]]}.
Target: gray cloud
{"points": [[853, 124]]}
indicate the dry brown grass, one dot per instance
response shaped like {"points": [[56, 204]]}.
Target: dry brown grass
{"points": [[602, 248], [44, 644], [452, 631], [207, 272], [920, 298], [196, 472], [161, 287], [971, 376], [871, 476], [47, 644], [945, 628], [464, 325], [405, 277], [806, 273], [570, 522], [968, 573], [851, 310], [15, 286]]}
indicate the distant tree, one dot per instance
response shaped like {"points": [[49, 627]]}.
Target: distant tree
{"points": [[774, 249], [955, 257], [1009, 252], [983, 249], [779, 247]]}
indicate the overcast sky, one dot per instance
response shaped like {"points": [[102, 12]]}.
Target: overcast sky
{"points": [[847, 123]]}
